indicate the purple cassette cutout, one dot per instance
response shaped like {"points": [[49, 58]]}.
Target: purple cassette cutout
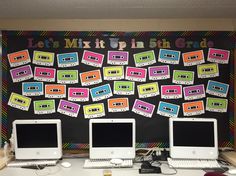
{"points": [[118, 57], [143, 108], [68, 108], [159, 72], [21, 73], [194, 92]]}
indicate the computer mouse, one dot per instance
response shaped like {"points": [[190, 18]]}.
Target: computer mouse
{"points": [[214, 174], [116, 161], [232, 171], [65, 164]]}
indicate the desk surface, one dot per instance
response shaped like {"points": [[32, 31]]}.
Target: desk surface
{"points": [[77, 169]]}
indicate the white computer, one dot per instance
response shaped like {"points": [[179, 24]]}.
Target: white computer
{"points": [[112, 139], [37, 139], [193, 139]]}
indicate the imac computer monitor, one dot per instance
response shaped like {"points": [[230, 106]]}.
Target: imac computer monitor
{"points": [[193, 138], [112, 138], [37, 139]]}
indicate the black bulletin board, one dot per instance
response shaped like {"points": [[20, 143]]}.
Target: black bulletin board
{"points": [[150, 131]]}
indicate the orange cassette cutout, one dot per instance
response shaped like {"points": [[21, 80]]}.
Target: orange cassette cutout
{"points": [[55, 91], [193, 58], [193, 108], [90, 77], [19, 58], [118, 104]]}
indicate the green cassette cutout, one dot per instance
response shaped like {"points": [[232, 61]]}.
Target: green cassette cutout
{"points": [[216, 104], [43, 58], [44, 106], [148, 90], [208, 70], [113, 73], [183, 77], [144, 58], [19, 101], [67, 76], [124, 87]]}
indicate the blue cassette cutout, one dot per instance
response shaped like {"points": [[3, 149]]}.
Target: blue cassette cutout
{"points": [[101, 92], [169, 56], [32, 88], [217, 88], [168, 109], [67, 59]]}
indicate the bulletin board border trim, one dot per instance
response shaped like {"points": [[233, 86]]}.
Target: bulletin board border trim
{"points": [[5, 34]]}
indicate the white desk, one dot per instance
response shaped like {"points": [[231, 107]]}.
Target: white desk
{"points": [[77, 170]]}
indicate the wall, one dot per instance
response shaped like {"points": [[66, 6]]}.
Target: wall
{"points": [[119, 25]]}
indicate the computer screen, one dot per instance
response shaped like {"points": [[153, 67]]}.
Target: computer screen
{"points": [[187, 141], [41, 135], [112, 138], [121, 135], [187, 134], [37, 139]]}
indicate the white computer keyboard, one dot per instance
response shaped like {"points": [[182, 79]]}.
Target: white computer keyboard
{"points": [[22, 163], [192, 164], [94, 163]]}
